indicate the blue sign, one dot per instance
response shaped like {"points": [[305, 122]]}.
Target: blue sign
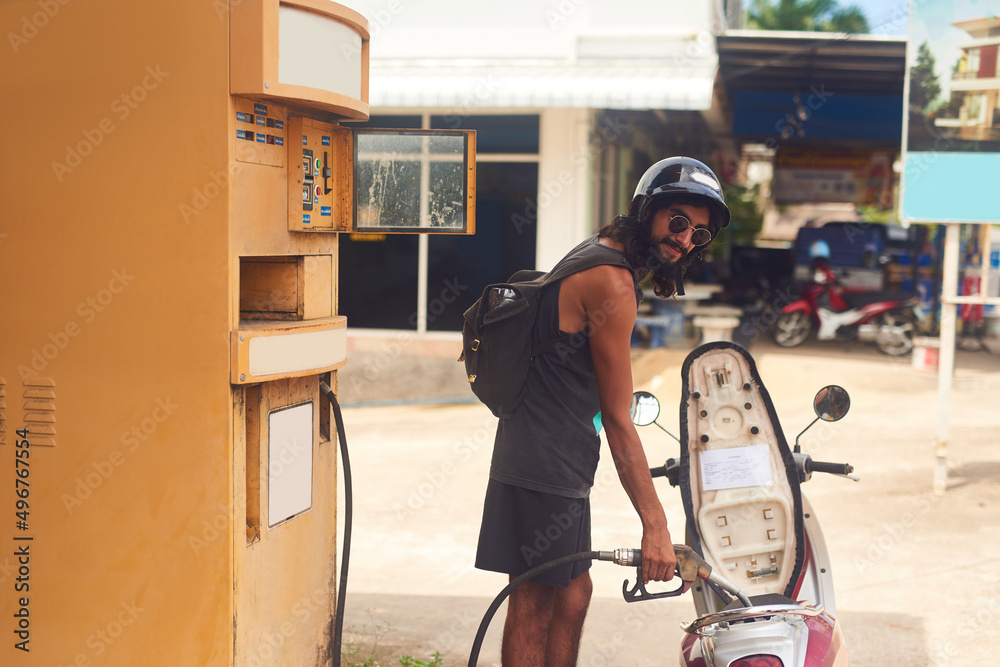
{"points": [[279, 125], [261, 139], [242, 117], [241, 134], [326, 210], [305, 219], [260, 109], [261, 120], [930, 178], [279, 141], [305, 140], [326, 141]]}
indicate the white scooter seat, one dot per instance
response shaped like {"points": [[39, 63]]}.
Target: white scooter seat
{"points": [[738, 479]]}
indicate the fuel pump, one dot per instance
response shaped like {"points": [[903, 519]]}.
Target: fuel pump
{"points": [[177, 177]]}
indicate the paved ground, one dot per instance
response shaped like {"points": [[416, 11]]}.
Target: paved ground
{"points": [[917, 576]]}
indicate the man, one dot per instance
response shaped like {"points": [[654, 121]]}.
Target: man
{"points": [[545, 454]]}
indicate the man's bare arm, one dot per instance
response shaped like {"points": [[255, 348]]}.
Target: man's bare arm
{"points": [[607, 297]]}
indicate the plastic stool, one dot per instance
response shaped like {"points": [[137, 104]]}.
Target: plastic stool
{"points": [[715, 328]]}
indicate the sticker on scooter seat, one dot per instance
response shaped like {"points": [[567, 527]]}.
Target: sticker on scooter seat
{"points": [[735, 467]]}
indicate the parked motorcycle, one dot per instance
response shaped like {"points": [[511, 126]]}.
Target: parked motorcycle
{"points": [[838, 312], [746, 516]]}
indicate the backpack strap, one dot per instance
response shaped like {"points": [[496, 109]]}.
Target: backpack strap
{"points": [[586, 257], [584, 260]]}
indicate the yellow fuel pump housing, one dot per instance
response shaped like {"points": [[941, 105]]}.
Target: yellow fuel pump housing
{"points": [[175, 178]]}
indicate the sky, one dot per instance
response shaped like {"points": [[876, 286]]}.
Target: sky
{"points": [[886, 17]]}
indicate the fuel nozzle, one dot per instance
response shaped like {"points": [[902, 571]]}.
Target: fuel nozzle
{"points": [[690, 565]]}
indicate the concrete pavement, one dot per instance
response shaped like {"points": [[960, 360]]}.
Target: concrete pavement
{"points": [[916, 575]]}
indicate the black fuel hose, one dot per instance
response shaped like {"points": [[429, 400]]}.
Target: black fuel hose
{"points": [[530, 574], [338, 625]]}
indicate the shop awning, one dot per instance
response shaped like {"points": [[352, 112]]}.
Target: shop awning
{"points": [[626, 84]]}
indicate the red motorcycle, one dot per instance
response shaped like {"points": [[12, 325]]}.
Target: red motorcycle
{"points": [[837, 312]]}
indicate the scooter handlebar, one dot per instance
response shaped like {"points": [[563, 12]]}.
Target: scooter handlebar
{"points": [[832, 468], [670, 470]]}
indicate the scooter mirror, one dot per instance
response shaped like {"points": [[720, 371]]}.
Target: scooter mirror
{"points": [[645, 408], [832, 403]]}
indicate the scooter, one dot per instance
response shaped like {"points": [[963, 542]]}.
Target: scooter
{"points": [[837, 312], [746, 515], [755, 558]]}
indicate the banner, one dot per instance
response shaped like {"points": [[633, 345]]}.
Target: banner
{"points": [[952, 143], [862, 178]]}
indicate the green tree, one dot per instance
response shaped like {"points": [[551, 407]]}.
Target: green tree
{"points": [[747, 220], [847, 19], [806, 15], [924, 84]]}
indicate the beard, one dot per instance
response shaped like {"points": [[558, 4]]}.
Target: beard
{"points": [[655, 249], [645, 257]]}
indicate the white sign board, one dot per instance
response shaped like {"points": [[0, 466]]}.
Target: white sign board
{"points": [[289, 463]]}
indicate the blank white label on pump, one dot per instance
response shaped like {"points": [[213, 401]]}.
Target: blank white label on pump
{"points": [[735, 468], [289, 462], [296, 352], [317, 51]]}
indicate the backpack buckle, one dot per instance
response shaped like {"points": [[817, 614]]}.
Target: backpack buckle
{"points": [[475, 345], [472, 378]]}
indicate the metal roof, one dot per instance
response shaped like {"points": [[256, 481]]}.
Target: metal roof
{"points": [[595, 84], [786, 61]]}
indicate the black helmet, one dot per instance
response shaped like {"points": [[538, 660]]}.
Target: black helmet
{"points": [[680, 177]]}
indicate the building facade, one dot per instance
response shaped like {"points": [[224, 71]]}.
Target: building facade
{"points": [[571, 101]]}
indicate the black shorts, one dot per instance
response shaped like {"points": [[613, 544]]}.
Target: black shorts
{"points": [[523, 528]]}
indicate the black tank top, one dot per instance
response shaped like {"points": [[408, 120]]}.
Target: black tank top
{"points": [[550, 443]]}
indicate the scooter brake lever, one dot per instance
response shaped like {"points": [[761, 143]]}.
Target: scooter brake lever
{"points": [[638, 592]]}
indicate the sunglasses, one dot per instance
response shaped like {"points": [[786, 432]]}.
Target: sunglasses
{"points": [[699, 235]]}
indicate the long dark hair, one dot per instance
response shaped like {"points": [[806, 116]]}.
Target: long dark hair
{"points": [[641, 255]]}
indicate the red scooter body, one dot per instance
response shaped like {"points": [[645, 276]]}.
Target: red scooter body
{"points": [[837, 312], [825, 646]]}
